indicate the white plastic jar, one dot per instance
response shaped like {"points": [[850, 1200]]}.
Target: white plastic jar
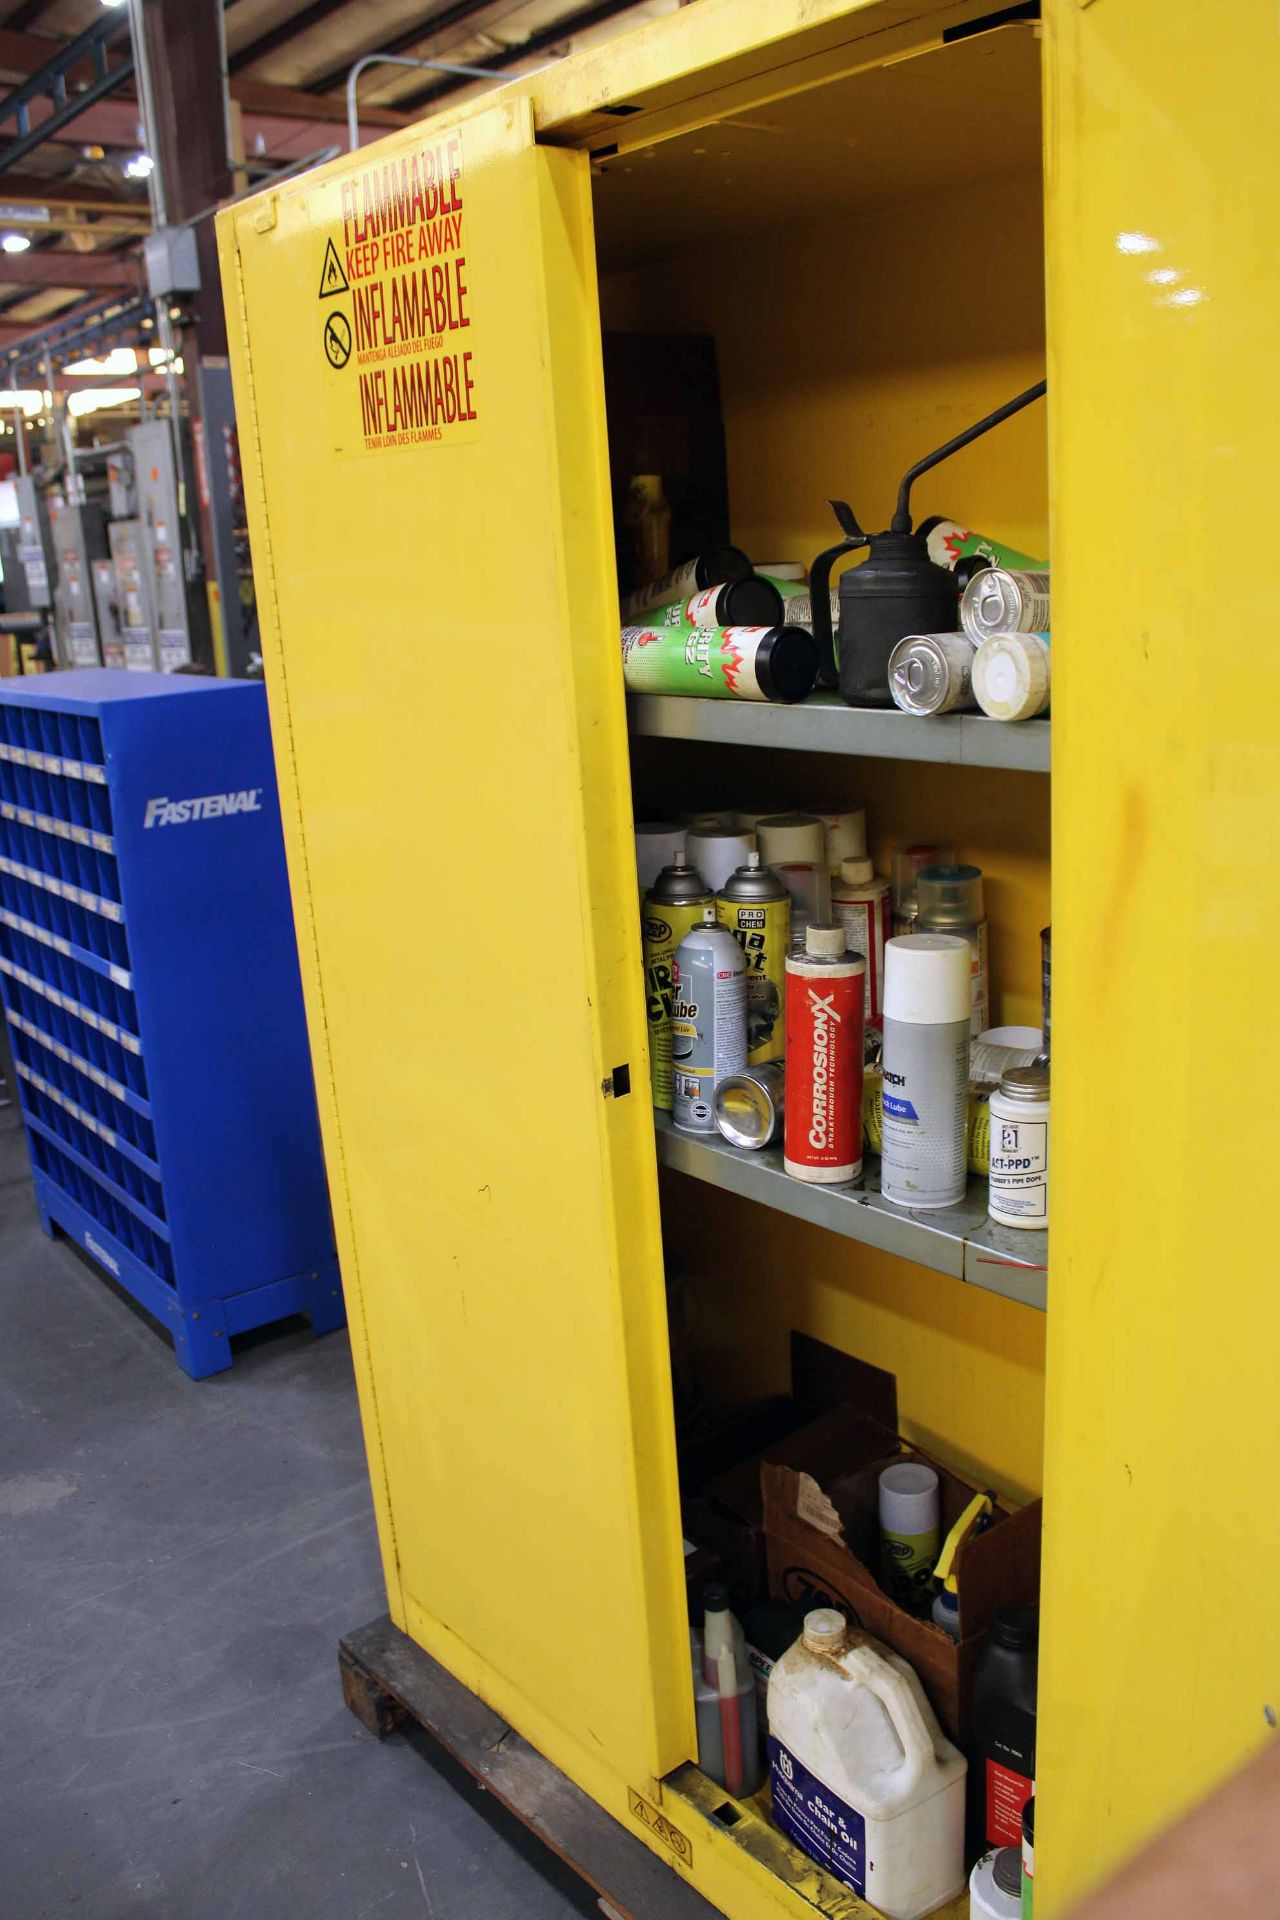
{"points": [[1019, 1179]]}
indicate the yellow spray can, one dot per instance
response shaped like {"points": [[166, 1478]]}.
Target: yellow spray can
{"points": [[672, 907], [755, 906]]}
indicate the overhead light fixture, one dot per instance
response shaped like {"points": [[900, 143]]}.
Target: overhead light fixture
{"points": [[98, 399], [16, 242], [115, 3], [139, 167]]}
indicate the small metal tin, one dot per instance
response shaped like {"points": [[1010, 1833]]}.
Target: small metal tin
{"points": [[998, 600], [749, 1105], [932, 672], [1025, 1083]]}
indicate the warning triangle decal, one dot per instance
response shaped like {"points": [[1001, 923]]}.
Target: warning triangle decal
{"points": [[332, 278]]}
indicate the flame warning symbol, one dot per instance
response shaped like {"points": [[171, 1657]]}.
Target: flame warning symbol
{"points": [[732, 661]]}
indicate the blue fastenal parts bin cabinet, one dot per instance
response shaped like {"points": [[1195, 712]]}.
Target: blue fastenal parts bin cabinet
{"points": [[150, 979]]}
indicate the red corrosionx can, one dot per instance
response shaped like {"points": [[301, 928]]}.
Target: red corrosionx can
{"points": [[825, 995]]}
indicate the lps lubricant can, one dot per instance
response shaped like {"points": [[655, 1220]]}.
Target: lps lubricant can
{"points": [[926, 1070], [755, 907], [860, 902], [708, 1021], [1000, 600], [823, 1123], [932, 673], [749, 1105], [718, 563], [724, 663], [674, 903]]}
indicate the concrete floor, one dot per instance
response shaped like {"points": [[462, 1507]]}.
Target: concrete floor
{"points": [[177, 1563]]}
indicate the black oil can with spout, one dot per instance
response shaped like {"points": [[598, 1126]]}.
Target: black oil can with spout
{"points": [[897, 590]]}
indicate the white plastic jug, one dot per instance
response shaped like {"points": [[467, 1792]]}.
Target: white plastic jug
{"points": [[863, 1778]]}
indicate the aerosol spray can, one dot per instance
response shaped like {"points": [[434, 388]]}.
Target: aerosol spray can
{"points": [[999, 600], [711, 567], [708, 1020], [949, 543], [907, 863], [949, 900], [926, 1070], [860, 902], [749, 1105], [795, 846], [737, 603], [755, 907], [823, 1124], [658, 842], [674, 903]]}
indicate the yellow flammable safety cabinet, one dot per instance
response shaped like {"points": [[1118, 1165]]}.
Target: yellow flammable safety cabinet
{"points": [[889, 217]]}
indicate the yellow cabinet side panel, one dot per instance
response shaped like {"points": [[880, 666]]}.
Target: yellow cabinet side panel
{"points": [[446, 694], [1161, 1654]]}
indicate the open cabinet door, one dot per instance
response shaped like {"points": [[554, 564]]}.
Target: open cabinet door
{"points": [[417, 360]]}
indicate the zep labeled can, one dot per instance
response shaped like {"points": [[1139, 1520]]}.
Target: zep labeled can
{"points": [[755, 907], [926, 1070], [822, 1126], [708, 1021], [675, 902]]}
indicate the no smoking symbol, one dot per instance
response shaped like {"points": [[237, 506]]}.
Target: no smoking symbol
{"points": [[337, 340]]}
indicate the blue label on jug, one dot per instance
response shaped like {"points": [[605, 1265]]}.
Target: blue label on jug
{"points": [[899, 1108], [823, 1825]]}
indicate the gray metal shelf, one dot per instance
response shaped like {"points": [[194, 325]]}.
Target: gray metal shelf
{"points": [[960, 1241], [824, 724]]}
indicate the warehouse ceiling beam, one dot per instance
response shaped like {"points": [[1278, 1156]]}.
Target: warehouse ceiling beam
{"points": [[48, 268], [59, 206], [89, 329], [284, 32], [537, 42], [435, 21], [279, 112], [50, 84]]}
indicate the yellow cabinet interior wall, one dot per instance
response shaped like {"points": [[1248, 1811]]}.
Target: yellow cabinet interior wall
{"points": [[849, 198]]}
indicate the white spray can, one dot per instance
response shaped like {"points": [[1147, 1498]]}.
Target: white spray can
{"points": [[926, 1070], [708, 1021]]}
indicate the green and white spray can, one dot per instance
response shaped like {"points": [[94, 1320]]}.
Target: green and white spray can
{"points": [[725, 663]]}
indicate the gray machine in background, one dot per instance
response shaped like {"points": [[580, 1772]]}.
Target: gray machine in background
{"points": [[106, 603], [131, 564], [79, 539], [35, 547], [180, 607]]}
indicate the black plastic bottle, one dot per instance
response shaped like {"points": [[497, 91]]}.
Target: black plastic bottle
{"points": [[1002, 1767]]}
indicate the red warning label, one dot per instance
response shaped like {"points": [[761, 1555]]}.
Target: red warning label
{"points": [[403, 254]]}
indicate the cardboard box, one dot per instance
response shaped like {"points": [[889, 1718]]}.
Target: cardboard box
{"points": [[821, 1527], [728, 1514]]}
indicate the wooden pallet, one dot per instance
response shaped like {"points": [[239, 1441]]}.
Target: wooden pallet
{"points": [[386, 1679]]}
